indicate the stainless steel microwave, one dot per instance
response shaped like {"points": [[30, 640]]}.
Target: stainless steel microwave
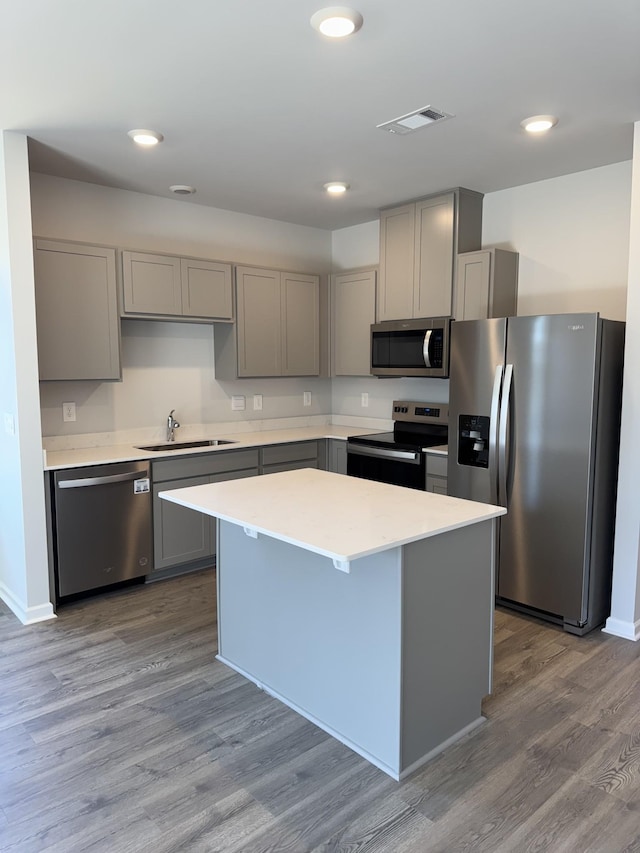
{"points": [[411, 347]]}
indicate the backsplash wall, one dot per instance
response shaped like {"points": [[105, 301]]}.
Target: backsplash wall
{"points": [[170, 366]]}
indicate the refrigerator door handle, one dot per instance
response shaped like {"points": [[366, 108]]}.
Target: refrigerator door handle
{"points": [[502, 435], [493, 435]]}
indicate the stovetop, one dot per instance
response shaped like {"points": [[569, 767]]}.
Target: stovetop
{"points": [[401, 441], [416, 425]]}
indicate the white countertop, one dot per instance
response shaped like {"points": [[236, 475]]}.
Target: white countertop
{"points": [[340, 517], [81, 457], [438, 450]]}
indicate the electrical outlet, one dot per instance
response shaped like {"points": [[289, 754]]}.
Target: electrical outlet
{"points": [[306, 398], [257, 402], [364, 399], [68, 412], [238, 403]]}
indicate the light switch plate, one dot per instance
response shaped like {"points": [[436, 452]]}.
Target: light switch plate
{"points": [[238, 403]]}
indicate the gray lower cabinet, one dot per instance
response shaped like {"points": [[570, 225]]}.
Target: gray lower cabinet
{"points": [[289, 457], [277, 329], [353, 310], [183, 537], [78, 323], [166, 286], [436, 474], [337, 455], [180, 535]]}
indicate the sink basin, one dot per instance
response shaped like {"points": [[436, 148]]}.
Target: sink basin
{"points": [[183, 445]]}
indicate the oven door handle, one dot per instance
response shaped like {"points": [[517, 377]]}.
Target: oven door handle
{"points": [[413, 458]]}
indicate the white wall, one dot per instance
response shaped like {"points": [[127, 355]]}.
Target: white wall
{"points": [[572, 235], [24, 577], [170, 365], [358, 246], [625, 604]]}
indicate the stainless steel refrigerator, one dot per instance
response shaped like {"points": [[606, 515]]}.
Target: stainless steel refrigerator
{"points": [[534, 422]]}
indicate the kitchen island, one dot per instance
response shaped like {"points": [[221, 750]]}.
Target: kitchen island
{"points": [[367, 608]]}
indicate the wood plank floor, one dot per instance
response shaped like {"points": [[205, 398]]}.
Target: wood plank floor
{"points": [[120, 732]]}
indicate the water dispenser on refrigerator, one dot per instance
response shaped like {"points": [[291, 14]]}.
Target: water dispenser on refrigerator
{"points": [[473, 441]]}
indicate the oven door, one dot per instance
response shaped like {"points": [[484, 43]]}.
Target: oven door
{"points": [[398, 467]]}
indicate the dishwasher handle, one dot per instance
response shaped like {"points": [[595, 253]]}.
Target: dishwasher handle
{"points": [[100, 481]]}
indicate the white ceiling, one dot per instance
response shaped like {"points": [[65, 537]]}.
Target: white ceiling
{"points": [[259, 111]]}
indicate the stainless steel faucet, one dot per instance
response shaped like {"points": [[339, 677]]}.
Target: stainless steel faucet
{"points": [[172, 426]]}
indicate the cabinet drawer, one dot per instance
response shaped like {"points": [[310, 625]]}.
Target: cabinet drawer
{"points": [[234, 475], [214, 463], [277, 453], [290, 466], [437, 465]]}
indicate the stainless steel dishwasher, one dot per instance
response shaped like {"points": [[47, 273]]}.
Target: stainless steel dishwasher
{"points": [[102, 522]]}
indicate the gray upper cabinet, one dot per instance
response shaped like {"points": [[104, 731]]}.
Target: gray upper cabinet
{"points": [[353, 310], [397, 258], [300, 317], [277, 330], [486, 285], [77, 314], [258, 323], [206, 289], [419, 243], [165, 286], [434, 253]]}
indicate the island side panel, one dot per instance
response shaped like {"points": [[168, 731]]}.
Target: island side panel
{"points": [[448, 595], [326, 641]]}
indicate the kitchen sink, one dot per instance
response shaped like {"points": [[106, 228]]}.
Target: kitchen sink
{"points": [[183, 445]]}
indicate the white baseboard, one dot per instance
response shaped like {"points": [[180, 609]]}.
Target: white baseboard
{"points": [[27, 615], [626, 630]]}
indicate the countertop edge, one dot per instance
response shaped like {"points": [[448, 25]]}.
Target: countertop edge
{"points": [[299, 488]]}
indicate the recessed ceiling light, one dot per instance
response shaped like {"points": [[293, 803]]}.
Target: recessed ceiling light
{"points": [[336, 21], [182, 189], [539, 124], [336, 187], [145, 137]]}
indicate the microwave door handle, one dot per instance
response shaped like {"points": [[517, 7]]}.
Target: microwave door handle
{"points": [[502, 435], [493, 435], [426, 346]]}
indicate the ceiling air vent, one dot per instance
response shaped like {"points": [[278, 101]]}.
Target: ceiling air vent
{"points": [[415, 120]]}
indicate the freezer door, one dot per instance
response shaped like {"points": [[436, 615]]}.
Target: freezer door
{"points": [[550, 454], [476, 370]]}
